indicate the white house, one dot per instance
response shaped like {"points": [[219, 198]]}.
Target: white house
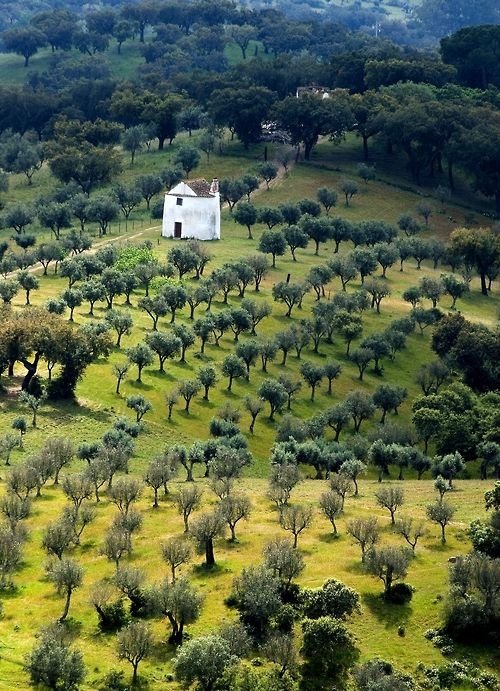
{"points": [[322, 91], [192, 210]]}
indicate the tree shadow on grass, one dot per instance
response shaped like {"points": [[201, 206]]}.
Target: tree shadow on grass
{"points": [[140, 385], [235, 545], [162, 651], [74, 411], [203, 571], [265, 420], [206, 405], [87, 546], [203, 357], [438, 546], [11, 591], [187, 416], [172, 422], [162, 376], [329, 538], [356, 566], [72, 628], [388, 613], [45, 497]]}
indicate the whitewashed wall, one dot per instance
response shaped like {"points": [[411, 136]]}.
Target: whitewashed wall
{"points": [[200, 216]]}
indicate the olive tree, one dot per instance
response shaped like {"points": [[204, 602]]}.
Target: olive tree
{"points": [[58, 452], [116, 544], [233, 367], [120, 370], [313, 375], [67, 576], [121, 322], [257, 597], [295, 519], [124, 492], [53, 663], [158, 473], [57, 538], [365, 532], [181, 603], [283, 560], [134, 644], [176, 551], [254, 407], [204, 530], [328, 650], [274, 393], [140, 355], [187, 500], [203, 660], [441, 512], [34, 403], [390, 498], [333, 599], [207, 376], [330, 504], [234, 508], [341, 484], [389, 564], [139, 405], [284, 477], [353, 468], [10, 551], [410, 529]]}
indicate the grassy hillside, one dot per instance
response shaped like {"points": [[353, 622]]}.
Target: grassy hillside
{"points": [[33, 601], [376, 627], [122, 66]]}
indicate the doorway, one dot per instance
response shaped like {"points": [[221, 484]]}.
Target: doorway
{"points": [[177, 229]]}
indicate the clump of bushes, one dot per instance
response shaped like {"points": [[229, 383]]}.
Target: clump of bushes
{"points": [[458, 674]]}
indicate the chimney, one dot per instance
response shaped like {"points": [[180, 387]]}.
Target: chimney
{"points": [[214, 187]]}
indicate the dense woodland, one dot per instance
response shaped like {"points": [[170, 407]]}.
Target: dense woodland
{"points": [[311, 404]]}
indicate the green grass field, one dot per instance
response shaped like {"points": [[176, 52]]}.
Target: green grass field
{"points": [[33, 602], [122, 66], [376, 628]]}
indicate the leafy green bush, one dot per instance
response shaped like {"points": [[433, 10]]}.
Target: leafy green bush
{"points": [[114, 681], [466, 621], [112, 617], [400, 593], [284, 619]]}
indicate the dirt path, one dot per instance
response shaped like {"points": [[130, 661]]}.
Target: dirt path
{"points": [[95, 246]]}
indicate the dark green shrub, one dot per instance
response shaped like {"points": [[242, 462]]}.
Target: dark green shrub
{"points": [[130, 428], [157, 209], [231, 601], [284, 619], [114, 681], [112, 617], [291, 594], [467, 621], [36, 387], [400, 594], [223, 428], [333, 599]]}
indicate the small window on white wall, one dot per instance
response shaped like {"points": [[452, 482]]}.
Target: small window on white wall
{"points": [[179, 201]]}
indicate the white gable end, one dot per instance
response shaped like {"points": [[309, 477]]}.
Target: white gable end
{"points": [[192, 211], [182, 189]]}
